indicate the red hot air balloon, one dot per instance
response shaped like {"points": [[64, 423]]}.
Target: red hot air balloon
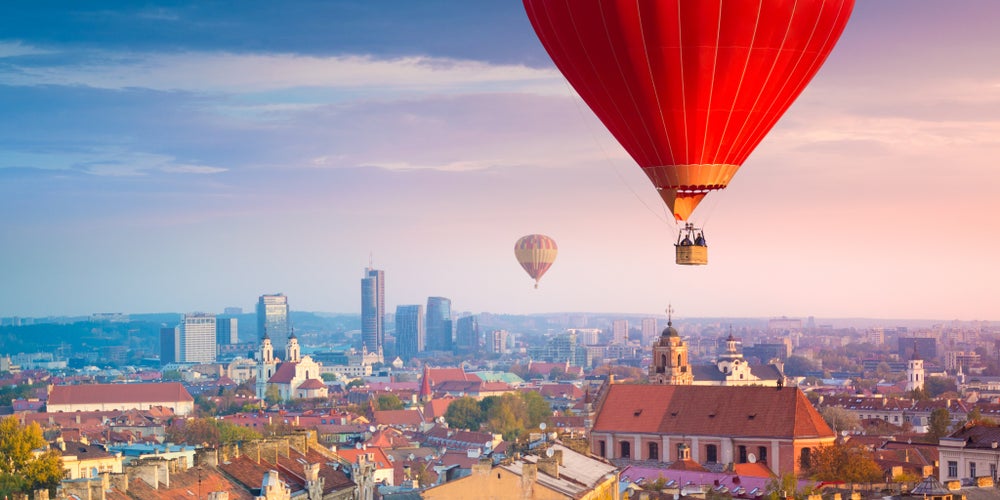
{"points": [[536, 253], [688, 87]]}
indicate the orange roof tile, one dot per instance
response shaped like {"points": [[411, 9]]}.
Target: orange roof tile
{"points": [[118, 393], [710, 410]]}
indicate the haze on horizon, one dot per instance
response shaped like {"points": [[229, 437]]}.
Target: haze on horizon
{"points": [[188, 156]]}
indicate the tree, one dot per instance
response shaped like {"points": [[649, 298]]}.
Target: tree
{"points": [[21, 469], [537, 407], [975, 417], [797, 366], [389, 402], [779, 488], [839, 419], [464, 413], [937, 386], [840, 462], [506, 414], [938, 424]]}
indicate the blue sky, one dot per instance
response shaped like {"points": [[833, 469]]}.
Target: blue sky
{"points": [[188, 156]]}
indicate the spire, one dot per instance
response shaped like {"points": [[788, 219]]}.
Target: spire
{"points": [[425, 385]]}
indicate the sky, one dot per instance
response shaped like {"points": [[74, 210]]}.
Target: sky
{"points": [[192, 155]]}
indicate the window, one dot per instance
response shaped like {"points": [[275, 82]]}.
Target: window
{"points": [[762, 454], [993, 471], [603, 447], [712, 454], [743, 454], [952, 468], [805, 458], [972, 470], [626, 450], [654, 452]]}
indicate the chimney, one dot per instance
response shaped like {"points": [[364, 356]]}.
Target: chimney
{"points": [[529, 473], [549, 465]]}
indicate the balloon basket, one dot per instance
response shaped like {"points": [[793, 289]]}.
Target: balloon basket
{"points": [[691, 255]]}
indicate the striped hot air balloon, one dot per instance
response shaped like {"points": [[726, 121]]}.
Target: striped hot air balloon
{"points": [[536, 253]]}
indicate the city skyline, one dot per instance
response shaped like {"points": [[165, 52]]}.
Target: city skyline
{"points": [[297, 143]]}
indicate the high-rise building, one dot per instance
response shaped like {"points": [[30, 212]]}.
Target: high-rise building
{"points": [[373, 310], [467, 334], [170, 345], [272, 316], [439, 324], [648, 330], [226, 331], [619, 331], [498, 341], [232, 311], [197, 338], [410, 335]]}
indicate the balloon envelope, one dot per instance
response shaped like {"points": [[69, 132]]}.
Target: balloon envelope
{"points": [[688, 87], [535, 253]]}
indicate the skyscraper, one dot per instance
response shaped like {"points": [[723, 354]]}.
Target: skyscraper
{"points": [[226, 331], [649, 330], [272, 316], [438, 324], [197, 338], [410, 336], [467, 334], [373, 309], [619, 331], [170, 345]]}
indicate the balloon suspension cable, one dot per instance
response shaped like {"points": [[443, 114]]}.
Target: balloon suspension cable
{"points": [[607, 158]]}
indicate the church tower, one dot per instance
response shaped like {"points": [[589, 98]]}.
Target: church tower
{"points": [[292, 351], [914, 371], [670, 358], [266, 365]]}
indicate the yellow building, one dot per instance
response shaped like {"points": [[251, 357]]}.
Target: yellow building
{"points": [[564, 474], [84, 460]]}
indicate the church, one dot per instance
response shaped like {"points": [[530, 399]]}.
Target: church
{"points": [[297, 377], [718, 425]]}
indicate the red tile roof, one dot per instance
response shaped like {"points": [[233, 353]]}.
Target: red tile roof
{"points": [[710, 410], [438, 375], [118, 393], [312, 384], [398, 417], [284, 374], [380, 458], [436, 407]]}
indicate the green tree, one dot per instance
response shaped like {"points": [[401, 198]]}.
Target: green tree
{"points": [[21, 469], [779, 488], [840, 462], [272, 395], [975, 417], [464, 413], [507, 415], [537, 407], [232, 433], [938, 424], [389, 402], [798, 366], [329, 377]]}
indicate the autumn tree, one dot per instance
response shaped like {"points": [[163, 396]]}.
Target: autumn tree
{"points": [[937, 386], [209, 431], [538, 408], [26, 462], [780, 488], [839, 419], [464, 413], [840, 462]]}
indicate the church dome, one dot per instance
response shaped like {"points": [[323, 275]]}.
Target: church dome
{"points": [[669, 331]]}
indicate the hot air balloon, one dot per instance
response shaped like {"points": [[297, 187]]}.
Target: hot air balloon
{"points": [[536, 253], [688, 87]]}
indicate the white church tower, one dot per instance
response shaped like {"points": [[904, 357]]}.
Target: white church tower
{"points": [[914, 371], [266, 365]]}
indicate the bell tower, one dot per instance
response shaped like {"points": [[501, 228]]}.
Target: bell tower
{"points": [[670, 357]]}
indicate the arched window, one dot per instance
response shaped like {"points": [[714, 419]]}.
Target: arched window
{"points": [[626, 450], [654, 452], [805, 460], [678, 360]]}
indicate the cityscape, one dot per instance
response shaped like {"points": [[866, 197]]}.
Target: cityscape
{"points": [[598, 250]]}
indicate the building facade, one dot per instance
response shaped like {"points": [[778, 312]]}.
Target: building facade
{"points": [[467, 334], [226, 331], [197, 338], [170, 345], [373, 310], [439, 331], [272, 316], [410, 334]]}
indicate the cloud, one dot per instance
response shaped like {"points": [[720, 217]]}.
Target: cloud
{"points": [[229, 73], [17, 49]]}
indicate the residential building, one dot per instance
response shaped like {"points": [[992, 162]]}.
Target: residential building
{"points": [[439, 331], [197, 338], [498, 341], [970, 452], [85, 460], [373, 310], [619, 331], [649, 330], [410, 333]]}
